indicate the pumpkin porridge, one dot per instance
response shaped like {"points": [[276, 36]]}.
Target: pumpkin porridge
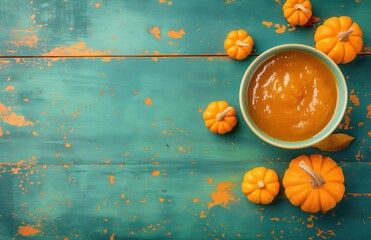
{"points": [[292, 96]]}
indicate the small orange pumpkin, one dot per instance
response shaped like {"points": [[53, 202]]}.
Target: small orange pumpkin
{"points": [[297, 12], [340, 38], [260, 185], [238, 44], [314, 182], [219, 117]]}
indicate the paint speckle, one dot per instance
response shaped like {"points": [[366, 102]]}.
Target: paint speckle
{"points": [[268, 24], [67, 145], [9, 88], [156, 32], [223, 196], [156, 173], [27, 231], [148, 101], [111, 179], [353, 98], [176, 34], [280, 28]]}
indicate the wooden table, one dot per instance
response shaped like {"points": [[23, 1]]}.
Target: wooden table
{"points": [[102, 135]]}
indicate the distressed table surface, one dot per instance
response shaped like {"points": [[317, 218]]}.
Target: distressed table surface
{"points": [[101, 124]]}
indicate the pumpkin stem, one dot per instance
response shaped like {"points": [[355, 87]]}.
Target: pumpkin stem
{"points": [[301, 7], [317, 180], [343, 36], [260, 184], [242, 44], [220, 116]]}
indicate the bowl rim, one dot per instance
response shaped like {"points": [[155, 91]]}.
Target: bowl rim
{"points": [[342, 97]]}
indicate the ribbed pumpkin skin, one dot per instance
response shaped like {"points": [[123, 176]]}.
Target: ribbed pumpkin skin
{"points": [[296, 16], [224, 125], [260, 185], [299, 190], [238, 44], [328, 40]]}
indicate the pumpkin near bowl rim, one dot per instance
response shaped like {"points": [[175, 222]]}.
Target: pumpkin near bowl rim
{"points": [[342, 96]]}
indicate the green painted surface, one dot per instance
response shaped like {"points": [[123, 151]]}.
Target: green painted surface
{"points": [[123, 27], [116, 148]]}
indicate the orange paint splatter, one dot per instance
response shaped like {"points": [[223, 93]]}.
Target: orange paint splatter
{"points": [[1, 132], [75, 50], [24, 38], [111, 179], [369, 111], [161, 199], [112, 237], [369, 133], [353, 98], [209, 180], [195, 200], [26, 99], [280, 28], [148, 101], [27, 231], [67, 145], [35, 133], [268, 24], [156, 173], [223, 196], [11, 118], [175, 34], [156, 32], [202, 214], [98, 5], [9, 88]]}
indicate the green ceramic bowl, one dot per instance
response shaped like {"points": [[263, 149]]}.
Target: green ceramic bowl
{"points": [[342, 97]]}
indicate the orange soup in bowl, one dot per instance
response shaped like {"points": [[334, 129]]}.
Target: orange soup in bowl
{"points": [[292, 96]]}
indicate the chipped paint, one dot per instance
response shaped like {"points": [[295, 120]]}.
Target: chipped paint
{"points": [[156, 173], [148, 101], [9, 88], [24, 38], [223, 196], [156, 32], [268, 24], [79, 49], [353, 98], [111, 179], [176, 34], [11, 118], [27, 231]]}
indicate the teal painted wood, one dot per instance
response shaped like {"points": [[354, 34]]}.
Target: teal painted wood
{"points": [[141, 164], [128, 27]]}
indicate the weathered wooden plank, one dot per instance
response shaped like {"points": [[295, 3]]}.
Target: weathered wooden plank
{"points": [[156, 27], [131, 102]]}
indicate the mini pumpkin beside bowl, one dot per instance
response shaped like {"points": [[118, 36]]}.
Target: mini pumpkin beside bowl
{"points": [[220, 117], [314, 183], [340, 38], [260, 185], [238, 44]]}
